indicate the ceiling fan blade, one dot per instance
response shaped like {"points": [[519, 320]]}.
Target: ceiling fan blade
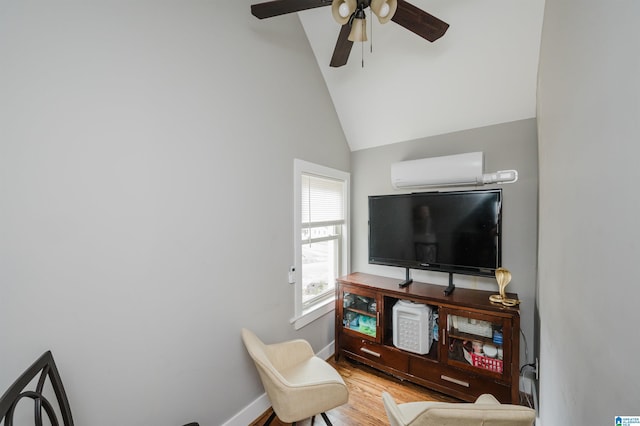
{"points": [[343, 47], [282, 7], [420, 22]]}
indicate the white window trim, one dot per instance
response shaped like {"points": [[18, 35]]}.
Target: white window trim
{"points": [[303, 317]]}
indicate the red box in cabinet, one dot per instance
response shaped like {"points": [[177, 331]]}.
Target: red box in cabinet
{"points": [[491, 364]]}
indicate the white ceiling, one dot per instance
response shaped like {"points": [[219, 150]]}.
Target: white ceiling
{"points": [[483, 71]]}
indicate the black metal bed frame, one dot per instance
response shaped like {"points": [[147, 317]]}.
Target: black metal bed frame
{"points": [[44, 367]]}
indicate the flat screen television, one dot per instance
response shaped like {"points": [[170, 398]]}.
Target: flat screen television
{"points": [[454, 232]]}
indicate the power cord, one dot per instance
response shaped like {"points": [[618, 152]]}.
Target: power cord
{"points": [[526, 347], [528, 399], [532, 365]]}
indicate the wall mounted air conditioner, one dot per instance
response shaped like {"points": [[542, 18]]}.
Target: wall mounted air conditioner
{"points": [[449, 170]]}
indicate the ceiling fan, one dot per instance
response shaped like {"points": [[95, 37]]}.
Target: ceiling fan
{"points": [[351, 15]]}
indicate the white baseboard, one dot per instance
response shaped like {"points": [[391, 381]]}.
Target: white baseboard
{"points": [[328, 351], [255, 409], [250, 413]]}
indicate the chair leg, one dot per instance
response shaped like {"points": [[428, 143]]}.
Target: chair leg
{"points": [[270, 419], [326, 419], [313, 420]]}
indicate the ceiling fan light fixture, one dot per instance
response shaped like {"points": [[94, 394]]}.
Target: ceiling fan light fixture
{"points": [[384, 9], [358, 27], [342, 10]]}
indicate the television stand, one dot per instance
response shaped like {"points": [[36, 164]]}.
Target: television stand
{"points": [[367, 322], [407, 280], [449, 290]]}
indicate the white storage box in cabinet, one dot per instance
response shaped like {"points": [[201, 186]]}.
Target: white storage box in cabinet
{"points": [[472, 326], [412, 326]]}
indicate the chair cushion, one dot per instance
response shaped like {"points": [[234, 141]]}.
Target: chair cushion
{"points": [[313, 371], [466, 414], [313, 386], [410, 410]]}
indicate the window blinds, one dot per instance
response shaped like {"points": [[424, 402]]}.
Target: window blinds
{"points": [[322, 201]]}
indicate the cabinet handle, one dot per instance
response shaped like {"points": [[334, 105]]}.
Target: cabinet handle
{"points": [[443, 338], [370, 352], [456, 381]]}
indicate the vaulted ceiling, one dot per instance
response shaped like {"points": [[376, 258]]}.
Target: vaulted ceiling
{"points": [[483, 71]]}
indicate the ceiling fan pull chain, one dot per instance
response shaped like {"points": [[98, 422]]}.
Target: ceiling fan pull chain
{"points": [[371, 31]]}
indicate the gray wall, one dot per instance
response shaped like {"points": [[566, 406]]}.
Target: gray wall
{"points": [[505, 146], [146, 199], [588, 113]]}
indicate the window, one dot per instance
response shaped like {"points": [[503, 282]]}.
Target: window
{"points": [[321, 238]]}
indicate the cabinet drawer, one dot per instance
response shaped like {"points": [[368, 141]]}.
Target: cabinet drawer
{"points": [[466, 386], [375, 352]]}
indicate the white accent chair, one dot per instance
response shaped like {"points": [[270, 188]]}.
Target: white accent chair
{"points": [[298, 383], [486, 411]]}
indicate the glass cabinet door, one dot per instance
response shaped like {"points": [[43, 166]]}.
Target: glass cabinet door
{"points": [[477, 343], [360, 313]]}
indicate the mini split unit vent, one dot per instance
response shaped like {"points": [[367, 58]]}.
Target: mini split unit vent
{"points": [[450, 170]]}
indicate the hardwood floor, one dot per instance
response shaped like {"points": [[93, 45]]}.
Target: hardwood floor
{"points": [[365, 402]]}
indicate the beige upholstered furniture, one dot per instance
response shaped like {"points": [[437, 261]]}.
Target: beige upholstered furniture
{"points": [[486, 411], [298, 383]]}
